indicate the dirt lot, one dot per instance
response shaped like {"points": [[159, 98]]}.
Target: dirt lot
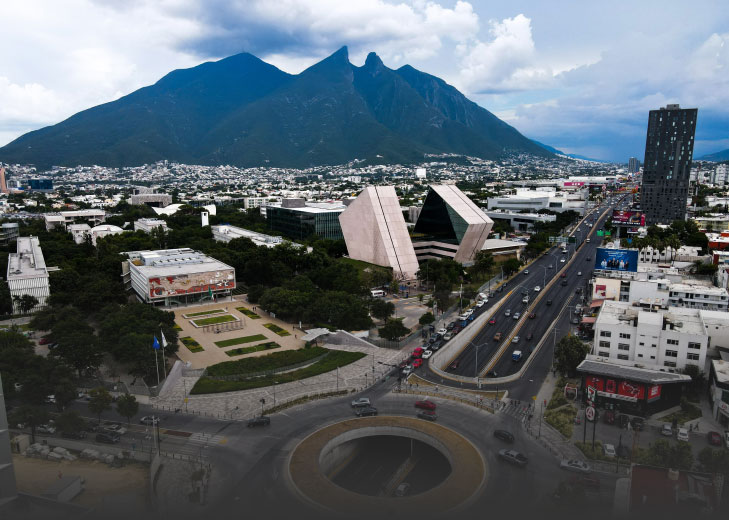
{"points": [[104, 486]]}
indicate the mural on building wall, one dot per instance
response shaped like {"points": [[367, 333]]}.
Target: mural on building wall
{"points": [[161, 287]]}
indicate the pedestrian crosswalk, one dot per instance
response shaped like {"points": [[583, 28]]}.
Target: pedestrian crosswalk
{"points": [[206, 439], [519, 410]]}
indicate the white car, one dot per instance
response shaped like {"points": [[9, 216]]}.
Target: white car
{"points": [[683, 435], [575, 465], [468, 312], [481, 303], [609, 450], [517, 315], [407, 370], [463, 317], [537, 289], [579, 273], [427, 354], [516, 339], [442, 332], [562, 260], [448, 336], [46, 428]]}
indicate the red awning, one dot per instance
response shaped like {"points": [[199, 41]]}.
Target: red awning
{"points": [[596, 303], [589, 319]]}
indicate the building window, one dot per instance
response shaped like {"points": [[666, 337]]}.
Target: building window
{"points": [[640, 355], [671, 353], [623, 346], [653, 357], [623, 335], [605, 334], [672, 341], [669, 364], [695, 346], [641, 344], [604, 354], [624, 357], [692, 356], [604, 344]]}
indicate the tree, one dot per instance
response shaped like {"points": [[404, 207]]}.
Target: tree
{"points": [[25, 303], [30, 416], [663, 454], [427, 318], [570, 352], [127, 406], [482, 264], [714, 461], [79, 349], [65, 393], [511, 266], [70, 421], [381, 309], [394, 329], [99, 401], [697, 379]]}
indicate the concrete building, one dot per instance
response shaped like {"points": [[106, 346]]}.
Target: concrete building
{"points": [[713, 222], [534, 200], [27, 273], [226, 233], [374, 230], [718, 241], [149, 224], [62, 219], [662, 339], [520, 221], [502, 250], [257, 202], [669, 254], [450, 225], [176, 277], [299, 219], [104, 230], [9, 231], [661, 292], [719, 390], [154, 200], [79, 232], [633, 165]]}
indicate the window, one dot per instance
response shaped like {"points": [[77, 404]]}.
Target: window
{"points": [[623, 346], [653, 357], [692, 356], [669, 364], [695, 346], [640, 355], [604, 344], [671, 353], [605, 333], [623, 335], [624, 357], [641, 344], [604, 354], [672, 341]]}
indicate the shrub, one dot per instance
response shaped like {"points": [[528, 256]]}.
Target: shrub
{"points": [[264, 363], [278, 330], [255, 348], [191, 344], [238, 341], [214, 320]]}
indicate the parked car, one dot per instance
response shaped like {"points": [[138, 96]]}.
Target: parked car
{"points": [[149, 420], [115, 427], [608, 450], [428, 415], [714, 438], [447, 336], [107, 437], [577, 466], [504, 436], [427, 354], [46, 428], [74, 435], [682, 435], [417, 363], [368, 411], [361, 402], [468, 312], [481, 303], [442, 331], [407, 370], [451, 325], [667, 430], [425, 405], [514, 457]]}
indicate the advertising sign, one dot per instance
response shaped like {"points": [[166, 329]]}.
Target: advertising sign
{"points": [[617, 389], [573, 184], [654, 393], [160, 287], [616, 260], [634, 218]]}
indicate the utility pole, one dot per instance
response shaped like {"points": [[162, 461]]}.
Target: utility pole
{"points": [[337, 378]]}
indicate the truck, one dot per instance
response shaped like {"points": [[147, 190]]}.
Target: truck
{"points": [[516, 356]]}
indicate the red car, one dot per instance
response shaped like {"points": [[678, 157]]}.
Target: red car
{"points": [[454, 365], [532, 316], [563, 275], [417, 353], [44, 341], [425, 405], [714, 438], [492, 321], [417, 363]]}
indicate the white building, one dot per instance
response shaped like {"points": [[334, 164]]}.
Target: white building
{"points": [[79, 232], [27, 273], [226, 233], [62, 219], [542, 198], [649, 255], [104, 230], [149, 224], [665, 339], [664, 293], [257, 202], [519, 221]]}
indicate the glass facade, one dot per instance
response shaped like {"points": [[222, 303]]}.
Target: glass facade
{"points": [[299, 225], [439, 222]]}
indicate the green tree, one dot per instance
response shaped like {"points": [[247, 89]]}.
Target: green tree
{"points": [[482, 264], [426, 318], [570, 352], [99, 401], [662, 453], [80, 350], [394, 329], [70, 421], [511, 266], [30, 417], [65, 393], [697, 379], [714, 461], [381, 309], [127, 406], [25, 303]]}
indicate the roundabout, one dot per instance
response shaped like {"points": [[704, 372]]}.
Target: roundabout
{"points": [[437, 471]]}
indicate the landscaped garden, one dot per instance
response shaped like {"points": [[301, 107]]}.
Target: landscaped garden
{"points": [[214, 320], [252, 315], [191, 344], [269, 345], [278, 330], [238, 341], [560, 413], [204, 313]]}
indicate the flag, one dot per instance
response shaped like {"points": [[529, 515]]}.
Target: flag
{"points": [[155, 345], [210, 291], [164, 340]]}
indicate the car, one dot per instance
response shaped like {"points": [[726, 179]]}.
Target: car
{"points": [[402, 365], [578, 290], [726, 439], [682, 435], [433, 348], [361, 402], [417, 354], [537, 289], [532, 315], [433, 339], [575, 465], [562, 260], [407, 370], [517, 315], [456, 329], [491, 294], [402, 489], [503, 435], [526, 271], [497, 336], [368, 411], [563, 283], [515, 339], [417, 363], [549, 302], [50, 399], [579, 273], [428, 415], [667, 430], [74, 435], [492, 321], [608, 450], [427, 354], [481, 303], [551, 266], [714, 438], [513, 457], [442, 331], [637, 423], [563, 275], [468, 312], [451, 325], [447, 336], [530, 336], [425, 405], [454, 365], [507, 312], [114, 427], [588, 258], [525, 300], [587, 239], [107, 437], [261, 420], [149, 420], [44, 340], [463, 317], [516, 356], [46, 428]]}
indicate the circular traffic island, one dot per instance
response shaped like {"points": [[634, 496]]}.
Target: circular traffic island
{"points": [[387, 464]]}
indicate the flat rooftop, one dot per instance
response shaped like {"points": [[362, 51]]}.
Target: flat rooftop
{"points": [[28, 261], [615, 313], [721, 369], [640, 375], [166, 262]]}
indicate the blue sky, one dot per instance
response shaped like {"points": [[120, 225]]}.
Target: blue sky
{"points": [[578, 75]]}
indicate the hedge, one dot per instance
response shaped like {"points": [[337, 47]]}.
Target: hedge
{"points": [[203, 313], [191, 344], [270, 345], [215, 319], [264, 363], [252, 315], [278, 330], [238, 341]]}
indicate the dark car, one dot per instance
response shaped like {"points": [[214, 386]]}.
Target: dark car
{"points": [[74, 435], [261, 420], [504, 436], [428, 415], [637, 423], [564, 283], [454, 365], [579, 290], [549, 302], [623, 421], [451, 325], [107, 437], [532, 315], [425, 405], [714, 438], [366, 412], [530, 336]]}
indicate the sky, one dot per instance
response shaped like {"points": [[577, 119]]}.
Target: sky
{"points": [[578, 75]]}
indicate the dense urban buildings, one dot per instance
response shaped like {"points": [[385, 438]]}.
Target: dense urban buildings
{"points": [[27, 273], [633, 165], [667, 165]]}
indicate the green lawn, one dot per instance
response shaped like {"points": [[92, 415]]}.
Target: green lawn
{"points": [[278, 330], [238, 341], [252, 315], [273, 361], [177, 327], [255, 348], [334, 359], [215, 319], [204, 313], [191, 344]]}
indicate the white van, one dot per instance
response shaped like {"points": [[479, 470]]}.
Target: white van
{"points": [[377, 293], [483, 296]]}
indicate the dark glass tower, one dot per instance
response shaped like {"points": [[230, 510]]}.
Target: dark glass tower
{"points": [[669, 147]]}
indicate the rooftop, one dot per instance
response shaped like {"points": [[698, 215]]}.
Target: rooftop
{"points": [[671, 491], [721, 369], [685, 320], [495, 243], [640, 375], [166, 262], [28, 261]]}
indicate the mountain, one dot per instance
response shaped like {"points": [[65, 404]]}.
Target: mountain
{"points": [[243, 111], [571, 155], [717, 157]]}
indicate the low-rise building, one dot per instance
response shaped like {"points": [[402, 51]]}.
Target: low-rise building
{"points": [[79, 232], [502, 250], [520, 221], [299, 219], [534, 200], [154, 200], [104, 230], [718, 241], [62, 219], [226, 233], [27, 273], [719, 390], [149, 224], [257, 202], [9, 231]]}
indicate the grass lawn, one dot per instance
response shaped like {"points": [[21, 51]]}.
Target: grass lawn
{"points": [[265, 363], [204, 313], [238, 341], [215, 319], [333, 359], [278, 330], [191, 344], [252, 315], [270, 345], [688, 412], [177, 327]]}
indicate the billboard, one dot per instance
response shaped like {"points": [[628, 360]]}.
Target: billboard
{"points": [[621, 389], [160, 287], [573, 184], [616, 259], [632, 218]]}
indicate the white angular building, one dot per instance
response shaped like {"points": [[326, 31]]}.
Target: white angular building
{"points": [[375, 231]]}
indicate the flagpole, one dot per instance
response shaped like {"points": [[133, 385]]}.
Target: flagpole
{"points": [[164, 363], [156, 364]]}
